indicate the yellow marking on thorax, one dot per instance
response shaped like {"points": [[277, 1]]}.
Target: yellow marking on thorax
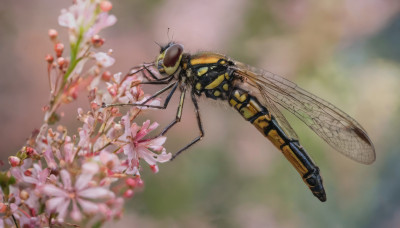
{"points": [[225, 87], [216, 82], [198, 86], [289, 154], [227, 76], [204, 60], [217, 93], [184, 66], [202, 71]]}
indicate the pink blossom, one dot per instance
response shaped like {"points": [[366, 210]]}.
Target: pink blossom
{"points": [[15, 208], [81, 193], [69, 151], [104, 20], [36, 176], [137, 147], [112, 162], [85, 132], [104, 59]]}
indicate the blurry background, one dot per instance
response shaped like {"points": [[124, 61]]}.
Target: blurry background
{"points": [[345, 51]]}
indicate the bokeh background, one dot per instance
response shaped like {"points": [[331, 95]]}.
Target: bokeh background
{"points": [[345, 51]]}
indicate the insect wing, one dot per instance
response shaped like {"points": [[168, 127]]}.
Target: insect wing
{"points": [[337, 128]]}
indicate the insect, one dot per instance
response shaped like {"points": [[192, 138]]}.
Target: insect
{"points": [[256, 95]]}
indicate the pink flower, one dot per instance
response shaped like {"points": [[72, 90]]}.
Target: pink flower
{"points": [[85, 132], [111, 162], [35, 176], [104, 20], [104, 59], [81, 193], [136, 147], [83, 18]]}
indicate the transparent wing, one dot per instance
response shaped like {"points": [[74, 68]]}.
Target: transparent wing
{"points": [[267, 102], [337, 128]]}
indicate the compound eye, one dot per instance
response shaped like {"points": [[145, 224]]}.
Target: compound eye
{"points": [[172, 55]]}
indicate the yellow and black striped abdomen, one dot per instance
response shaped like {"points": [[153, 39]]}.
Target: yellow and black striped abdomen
{"points": [[251, 109]]}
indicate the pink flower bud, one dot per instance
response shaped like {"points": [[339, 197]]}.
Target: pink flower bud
{"points": [[14, 161], [59, 48], [53, 34], [30, 151], [49, 58], [106, 76], [97, 41], [139, 182], [94, 105], [130, 182], [112, 89], [154, 168], [105, 6], [24, 195], [61, 61], [28, 172], [3, 207], [128, 193]]}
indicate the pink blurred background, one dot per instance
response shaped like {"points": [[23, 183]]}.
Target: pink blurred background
{"points": [[345, 51]]}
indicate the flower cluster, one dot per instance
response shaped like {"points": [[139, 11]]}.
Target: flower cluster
{"points": [[82, 179]]}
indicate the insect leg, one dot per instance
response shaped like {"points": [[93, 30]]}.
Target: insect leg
{"points": [[198, 138], [144, 67], [178, 114], [165, 80], [143, 104]]}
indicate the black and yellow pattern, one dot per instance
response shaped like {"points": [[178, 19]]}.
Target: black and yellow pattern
{"points": [[211, 75], [250, 108], [255, 93]]}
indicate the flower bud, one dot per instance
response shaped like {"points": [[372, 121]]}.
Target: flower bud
{"points": [[130, 182], [59, 48], [30, 151], [28, 172], [61, 61], [49, 58], [154, 168], [106, 76], [24, 195], [3, 207], [14, 161], [97, 41], [105, 6], [53, 34], [139, 182], [128, 193]]}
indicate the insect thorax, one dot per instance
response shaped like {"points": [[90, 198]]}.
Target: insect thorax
{"points": [[210, 74]]}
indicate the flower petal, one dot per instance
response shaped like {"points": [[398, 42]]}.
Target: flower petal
{"points": [[104, 59], [96, 193], [52, 190], [88, 206], [83, 180], [66, 179], [53, 203]]}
